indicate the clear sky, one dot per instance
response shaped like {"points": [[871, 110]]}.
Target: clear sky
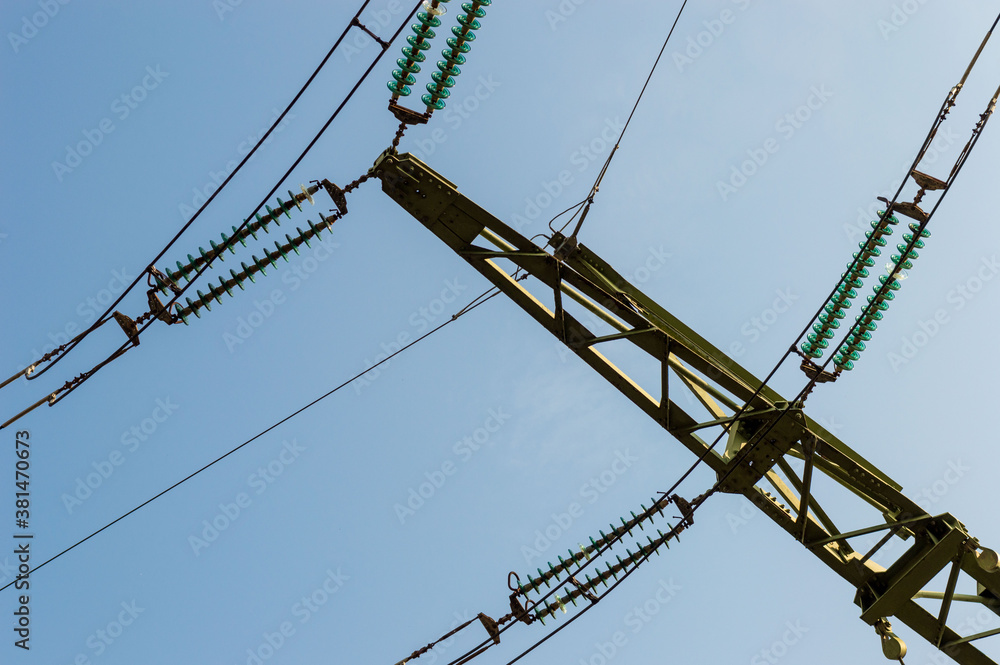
{"points": [[117, 118]]}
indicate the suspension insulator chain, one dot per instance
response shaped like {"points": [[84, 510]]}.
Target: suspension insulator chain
{"points": [[418, 42], [449, 68], [240, 235], [854, 344], [850, 349], [530, 611], [464, 34], [835, 309], [29, 370], [622, 566], [573, 588], [884, 292], [235, 279], [169, 283], [586, 552]]}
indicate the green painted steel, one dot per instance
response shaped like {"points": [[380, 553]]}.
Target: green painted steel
{"points": [[687, 362]]}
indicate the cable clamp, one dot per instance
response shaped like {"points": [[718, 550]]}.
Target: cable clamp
{"points": [[128, 326], [519, 611], [491, 627]]}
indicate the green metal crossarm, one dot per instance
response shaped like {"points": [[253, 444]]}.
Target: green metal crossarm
{"points": [[581, 280]]}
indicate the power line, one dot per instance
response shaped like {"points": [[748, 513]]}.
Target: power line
{"points": [[475, 651], [71, 385], [103, 318], [600, 176], [763, 384], [812, 380], [749, 447], [759, 437], [484, 297]]}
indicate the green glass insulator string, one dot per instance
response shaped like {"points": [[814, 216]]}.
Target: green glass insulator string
{"points": [[439, 89], [850, 351], [237, 279], [595, 546], [621, 566], [835, 309], [185, 271], [409, 65]]}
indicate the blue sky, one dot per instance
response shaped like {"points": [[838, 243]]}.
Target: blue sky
{"points": [[165, 98]]}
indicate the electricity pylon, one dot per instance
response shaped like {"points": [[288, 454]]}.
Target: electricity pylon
{"points": [[586, 304]]}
